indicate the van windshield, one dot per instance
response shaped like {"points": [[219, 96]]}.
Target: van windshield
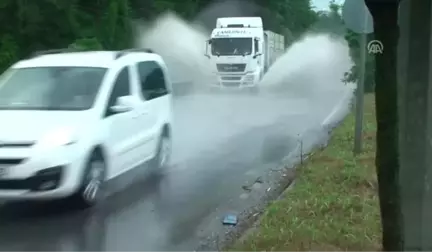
{"points": [[231, 46], [50, 88]]}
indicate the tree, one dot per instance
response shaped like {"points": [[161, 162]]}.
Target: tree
{"points": [[86, 44], [353, 40], [354, 44], [386, 29], [330, 21]]}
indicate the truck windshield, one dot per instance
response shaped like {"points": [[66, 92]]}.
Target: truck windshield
{"points": [[50, 88], [231, 46]]}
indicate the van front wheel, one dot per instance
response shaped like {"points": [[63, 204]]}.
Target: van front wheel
{"points": [[91, 190]]}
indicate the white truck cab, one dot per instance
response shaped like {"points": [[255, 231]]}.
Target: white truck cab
{"points": [[236, 48], [242, 51]]}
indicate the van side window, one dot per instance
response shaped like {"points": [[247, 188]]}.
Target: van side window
{"points": [[120, 88], [152, 80]]}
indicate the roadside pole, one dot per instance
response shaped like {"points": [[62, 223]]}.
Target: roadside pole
{"points": [[358, 19], [359, 107]]}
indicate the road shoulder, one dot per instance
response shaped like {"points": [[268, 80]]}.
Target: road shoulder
{"points": [[334, 204]]}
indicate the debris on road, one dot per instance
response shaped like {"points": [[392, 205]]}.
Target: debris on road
{"points": [[230, 219], [259, 180], [246, 188]]}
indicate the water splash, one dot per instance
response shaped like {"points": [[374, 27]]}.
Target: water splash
{"points": [[313, 67], [182, 45], [306, 80]]}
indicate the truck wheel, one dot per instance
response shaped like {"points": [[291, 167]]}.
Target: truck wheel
{"points": [[209, 90], [254, 90]]}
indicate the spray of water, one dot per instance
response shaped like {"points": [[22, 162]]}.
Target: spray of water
{"points": [[312, 68], [181, 44], [307, 78]]}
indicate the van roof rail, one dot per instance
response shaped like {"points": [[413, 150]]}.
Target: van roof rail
{"points": [[126, 51], [54, 51]]}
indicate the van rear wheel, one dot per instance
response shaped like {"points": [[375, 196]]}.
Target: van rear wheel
{"points": [[163, 153]]}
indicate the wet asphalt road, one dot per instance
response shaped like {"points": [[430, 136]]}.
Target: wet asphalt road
{"points": [[220, 143]]}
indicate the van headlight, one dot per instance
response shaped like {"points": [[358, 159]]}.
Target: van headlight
{"points": [[57, 138]]}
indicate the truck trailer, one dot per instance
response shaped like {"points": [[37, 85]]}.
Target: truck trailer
{"points": [[242, 51]]}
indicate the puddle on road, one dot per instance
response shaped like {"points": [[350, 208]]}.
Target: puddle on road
{"points": [[276, 148]]}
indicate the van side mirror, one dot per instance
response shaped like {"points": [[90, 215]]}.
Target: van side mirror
{"points": [[123, 104]]}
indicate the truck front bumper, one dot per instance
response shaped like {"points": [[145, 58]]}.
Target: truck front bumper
{"points": [[236, 81]]}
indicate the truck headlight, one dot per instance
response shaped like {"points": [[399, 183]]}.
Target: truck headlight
{"points": [[249, 77]]}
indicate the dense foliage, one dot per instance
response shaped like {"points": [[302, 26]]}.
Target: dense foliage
{"points": [[107, 24], [46, 24], [354, 42]]}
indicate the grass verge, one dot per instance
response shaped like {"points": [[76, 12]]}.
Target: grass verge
{"points": [[334, 204]]}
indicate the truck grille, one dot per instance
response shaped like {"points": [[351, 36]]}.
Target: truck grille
{"points": [[231, 84], [231, 67], [233, 78]]}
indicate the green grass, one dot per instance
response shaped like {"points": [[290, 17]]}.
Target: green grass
{"points": [[334, 204]]}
